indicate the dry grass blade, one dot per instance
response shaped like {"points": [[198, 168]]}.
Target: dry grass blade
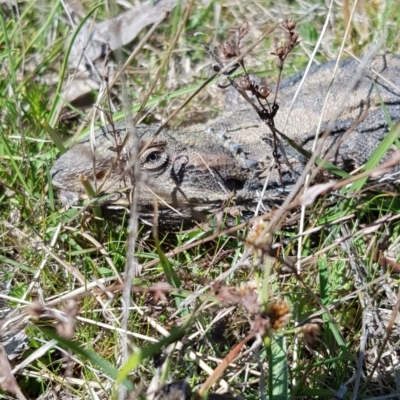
{"points": [[7, 379], [117, 75], [201, 286], [222, 366]]}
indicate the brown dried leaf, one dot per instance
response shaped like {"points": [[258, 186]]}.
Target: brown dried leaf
{"points": [[66, 327], [159, 289], [226, 294], [374, 226], [34, 309], [311, 194], [7, 379]]}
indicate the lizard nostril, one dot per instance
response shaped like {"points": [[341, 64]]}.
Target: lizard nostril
{"points": [[100, 175]]}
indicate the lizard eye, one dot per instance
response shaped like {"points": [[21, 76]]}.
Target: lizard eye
{"points": [[154, 160], [153, 157]]}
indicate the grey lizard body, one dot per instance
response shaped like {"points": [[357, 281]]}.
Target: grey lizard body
{"points": [[193, 171]]}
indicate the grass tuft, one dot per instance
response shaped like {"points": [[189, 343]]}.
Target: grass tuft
{"points": [[228, 306]]}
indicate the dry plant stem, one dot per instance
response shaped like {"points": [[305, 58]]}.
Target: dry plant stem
{"points": [[92, 136], [389, 329], [263, 191], [380, 76], [40, 375], [99, 246], [222, 366], [359, 281], [93, 70], [116, 329], [35, 278], [395, 160], [280, 215], [131, 266], [346, 298], [224, 69], [307, 180], [118, 73], [314, 146], [310, 231], [40, 245], [264, 217], [299, 184], [41, 351], [355, 234], [165, 60], [221, 72], [83, 291], [134, 157], [178, 110], [261, 109], [179, 345]]}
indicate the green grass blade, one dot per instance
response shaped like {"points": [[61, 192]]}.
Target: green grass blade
{"points": [[280, 385], [90, 355], [147, 352], [319, 161], [53, 115], [14, 165], [377, 156]]}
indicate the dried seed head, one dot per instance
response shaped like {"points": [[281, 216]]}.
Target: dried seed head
{"points": [[280, 52], [311, 334], [289, 24], [261, 325], [245, 295], [226, 294], [294, 41], [263, 91], [216, 68], [244, 83], [66, 326], [256, 230], [279, 314], [248, 295], [228, 51], [242, 31]]}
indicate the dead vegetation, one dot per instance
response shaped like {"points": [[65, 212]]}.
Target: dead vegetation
{"points": [[299, 302]]}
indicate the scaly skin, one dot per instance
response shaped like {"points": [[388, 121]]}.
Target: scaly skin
{"points": [[197, 169]]}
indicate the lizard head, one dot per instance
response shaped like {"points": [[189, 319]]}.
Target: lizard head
{"points": [[180, 172]]}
